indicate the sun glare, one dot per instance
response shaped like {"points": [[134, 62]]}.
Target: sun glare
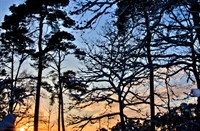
{"points": [[21, 129]]}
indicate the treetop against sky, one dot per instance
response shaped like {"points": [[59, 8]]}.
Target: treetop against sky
{"points": [[4, 7], [117, 66], [4, 10]]}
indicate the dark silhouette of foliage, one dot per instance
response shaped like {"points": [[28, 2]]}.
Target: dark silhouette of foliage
{"points": [[39, 22], [167, 30], [165, 36], [15, 96], [65, 83], [183, 117]]}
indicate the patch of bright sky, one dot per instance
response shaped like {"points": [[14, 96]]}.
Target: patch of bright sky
{"points": [[92, 33]]}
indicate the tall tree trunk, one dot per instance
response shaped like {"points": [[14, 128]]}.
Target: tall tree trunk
{"points": [[195, 72], [195, 14], [61, 93], [49, 117], [59, 113], [151, 83], [37, 103], [121, 110], [151, 70], [11, 101], [62, 113], [39, 80]]}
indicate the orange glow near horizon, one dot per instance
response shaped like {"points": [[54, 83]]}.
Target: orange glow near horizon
{"points": [[21, 129]]}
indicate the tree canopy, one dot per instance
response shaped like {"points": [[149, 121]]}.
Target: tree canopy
{"points": [[145, 53]]}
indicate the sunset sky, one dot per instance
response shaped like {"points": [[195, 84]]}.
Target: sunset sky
{"points": [[72, 64]]}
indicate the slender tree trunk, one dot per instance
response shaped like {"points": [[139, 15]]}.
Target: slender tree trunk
{"points": [[60, 90], [151, 83], [168, 99], [195, 72], [37, 104], [49, 117], [194, 10], [23, 58], [39, 80], [151, 70], [11, 101], [58, 113], [61, 93], [62, 113], [121, 110]]}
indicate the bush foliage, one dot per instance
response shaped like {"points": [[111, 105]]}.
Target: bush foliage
{"points": [[181, 118]]}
